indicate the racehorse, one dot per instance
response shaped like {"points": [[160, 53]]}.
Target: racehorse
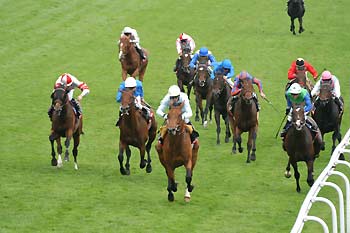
{"points": [[300, 146], [184, 74], [134, 131], [327, 114], [64, 124], [177, 151], [203, 85], [296, 10], [130, 59], [221, 94], [244, 119]]}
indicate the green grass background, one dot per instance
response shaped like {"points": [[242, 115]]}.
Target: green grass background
{"points": [[42, 39]]}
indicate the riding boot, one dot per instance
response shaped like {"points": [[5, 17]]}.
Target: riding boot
{"points": [[162, 132], [256, 103], [140, 51], [339, 102], [319, 139], [145, 113], [118, 120], [76, 107], [177, 64], [50, 111], [194, 134], [285, 129]]}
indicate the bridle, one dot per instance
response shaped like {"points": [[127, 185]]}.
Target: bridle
{"points": [[58, 102]]}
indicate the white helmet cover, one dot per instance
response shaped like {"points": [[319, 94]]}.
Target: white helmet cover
{"points": [[174, 90], [130, 82], [295, 88]]}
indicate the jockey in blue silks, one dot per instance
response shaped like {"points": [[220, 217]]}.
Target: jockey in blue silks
{"points": [[225, 67], [203, 52], [136, 86]]}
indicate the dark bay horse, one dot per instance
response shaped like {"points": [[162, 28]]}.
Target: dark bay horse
{"points": [[296, 10], [244, 119], [64, 124], [221, 94], [184, 74], [203, 85], [134, 131], [327, 114], [300, 146], [177, 151], [130, 59]]}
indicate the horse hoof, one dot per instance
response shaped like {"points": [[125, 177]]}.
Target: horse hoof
{"points": [[298, 189], [149, 168], [252, 157], [170, 197], [54, 162], [66, 158], [240, 150], [143, 165], [196, 119], [124, 172], [227, 140], [205, 124], [287, 174], [187, 199], [218, 142], [234, 151], [248, 161]]}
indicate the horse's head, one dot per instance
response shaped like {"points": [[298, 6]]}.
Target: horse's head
{"points": [[247, 92], [59, 100], [174, 121], [202, 74], [325, 93], [298, 116], [218, 85], [186, 57], [124, 46], [128, 101]]}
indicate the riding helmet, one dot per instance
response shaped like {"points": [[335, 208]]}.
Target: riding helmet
{"points": [[295, 88], [226, 64], [130, 82], [203, 52], [326, 75], [300, 62], [174, 91], [66, 80]]}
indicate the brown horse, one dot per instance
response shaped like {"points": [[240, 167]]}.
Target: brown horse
{"points": [[327, 114], [302, 79], [184, 74], [300, 146], [244, 119], [177, 151], [130, 59], [204, 91], [134, 131], [64, 124], [221, 94], [296, 10]]}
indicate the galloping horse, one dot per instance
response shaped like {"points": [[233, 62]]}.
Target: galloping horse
{"points": [[300, 146], [177, 151], [134, 131], [64, 124], [327, 114], [221, 94], [244, 119], [302, 80], [130, 59], [184, 74], [204, 90], [296, 9]]}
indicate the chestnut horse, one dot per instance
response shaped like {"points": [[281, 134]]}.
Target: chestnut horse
{"points": [[134, 131], [300, 146], [177, 151], [221, 94], [130, 59], [244, 119], [184, 74], [327, 114], [204, 91], [296, 10], [64, 124]]}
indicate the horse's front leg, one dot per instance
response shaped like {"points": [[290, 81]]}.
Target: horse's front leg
{"points": [[197, 108], [253, 155], [172, 186], [142, 156], [52, 138], [301, 29], [238, 139], [228, 132], [287, 173], [148, 150], [296, 175], [292, 27], [76, 139], [310, 170], [218, 128], [122, 147], [180, 85]]}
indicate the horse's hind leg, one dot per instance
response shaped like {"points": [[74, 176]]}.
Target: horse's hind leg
{"points": [[310, 170], [292, 27], [123, 171], [287, 173], [301, 29], [76, 139], [67, 144], [142, 157], [59, 151], [172, 186], [148, 150], [228, 132], [253, 156], [53, 153], [296, 175], [337, 136]]}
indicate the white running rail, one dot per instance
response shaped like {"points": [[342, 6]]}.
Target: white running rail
{"points": [[311, 197]]}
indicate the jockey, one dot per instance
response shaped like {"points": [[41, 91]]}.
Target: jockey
{"points": [[225, 67], [328, 77], [180, 41], [297, 95], [203, 53], [136, 86], [176, 95], [301, 66], [134, 38], [69, 83], [237, 85]]}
